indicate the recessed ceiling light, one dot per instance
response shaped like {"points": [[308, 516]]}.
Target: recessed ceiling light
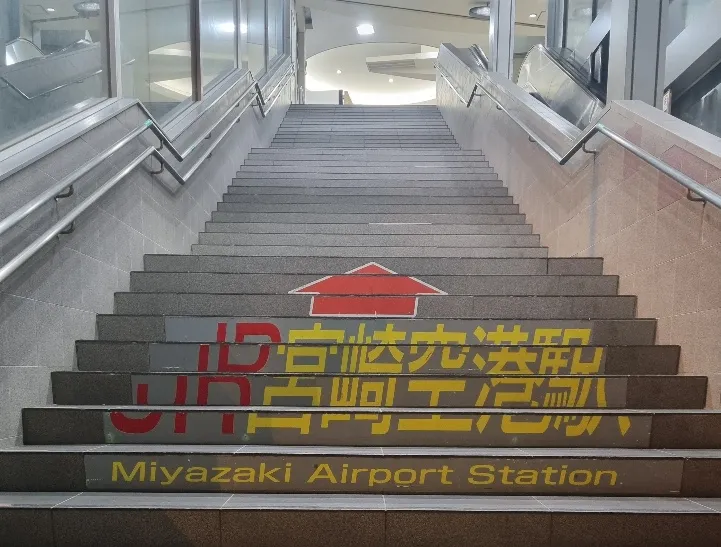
{"points": [[366, 29], [50, 10], [480, 12], [533, 15], [390, 80], [339, 71]]}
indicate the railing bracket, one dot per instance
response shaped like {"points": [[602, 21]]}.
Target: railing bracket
{"points": [[531, 139], [587, 151], [69, 230], [69, 192], [159, 171], [692, 197]]}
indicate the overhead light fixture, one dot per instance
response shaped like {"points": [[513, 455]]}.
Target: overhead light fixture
{"points": [[339, 71], [480, 12], [390, 80], [366, 29], [533, 15], [50, 10], [87, 9]]}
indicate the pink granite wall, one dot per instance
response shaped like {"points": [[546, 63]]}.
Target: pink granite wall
{"points": [[665, 248]]}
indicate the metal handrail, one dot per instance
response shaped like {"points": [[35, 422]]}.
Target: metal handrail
{"points": [[261, 100], [67, 183], [693, 187]]}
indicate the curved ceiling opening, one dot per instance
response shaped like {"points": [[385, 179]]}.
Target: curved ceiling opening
{"points": [[374, 74]]}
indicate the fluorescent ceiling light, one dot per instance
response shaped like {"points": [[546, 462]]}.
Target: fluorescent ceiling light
{"points": [[227, 27], [366, 29], [50, 10], [533, 15], [339, 71]]}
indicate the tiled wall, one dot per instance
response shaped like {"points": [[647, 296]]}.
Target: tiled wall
{"points": [[53, 300], [665, 248]]}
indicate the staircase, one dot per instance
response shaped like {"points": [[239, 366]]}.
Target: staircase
{"points": [[368, 346]]}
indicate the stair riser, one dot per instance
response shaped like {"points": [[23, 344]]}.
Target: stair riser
{"points": [[403, 266], [149, 471], [491, 428], [440, 307], [320, 161], [359, 209], [269, 152], [345, 240], [344, 218], [362, 253], [385, 191], [283, 284], [168, 357], [294, 199], [368, 229], [382, 179], [419, 391], [205, 329]]}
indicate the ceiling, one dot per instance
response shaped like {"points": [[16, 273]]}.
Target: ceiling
{"points": [[366, 87], [401, 26]]}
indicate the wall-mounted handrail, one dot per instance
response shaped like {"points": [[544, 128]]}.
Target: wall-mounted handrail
{"points": [[28, 252], [55, 191], [262, 101], [693, 187]]}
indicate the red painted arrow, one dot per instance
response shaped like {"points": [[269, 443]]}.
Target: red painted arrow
{"points": [[369, 291]]}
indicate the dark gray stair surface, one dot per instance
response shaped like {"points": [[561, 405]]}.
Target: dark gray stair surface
{"points": [[436, 307], [134, 356], [481, 285], [369, 346], [365, 253], [230, 520], [367, 240], [405, 266], [159, 328], [369, 229], [358, 426], [641, 392]]}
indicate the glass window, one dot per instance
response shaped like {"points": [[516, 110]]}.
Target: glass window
{"points": [[579, 16], [681, 13], [53, 64], [255, 15], [218, 49], [155, 40], [276, 29]]}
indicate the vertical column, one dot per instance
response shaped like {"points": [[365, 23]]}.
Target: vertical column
{"points": [[637, 53], [4, 30], [501, 36], [196, 66], [554, 27], [300, 49], [112, 49]]}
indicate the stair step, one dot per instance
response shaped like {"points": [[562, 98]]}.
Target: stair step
{"points": [[363, 252], [360, 470], [319, 426], [365, 201], [424, 163], [369, 229], [152, 519], [361, 209], [405, 391], [404, 266], [441, 307], [317, 151], [365, 240], [339, 181], [398, 179], [140, 357], [519, 285], [382, 191], [370, 218]]}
